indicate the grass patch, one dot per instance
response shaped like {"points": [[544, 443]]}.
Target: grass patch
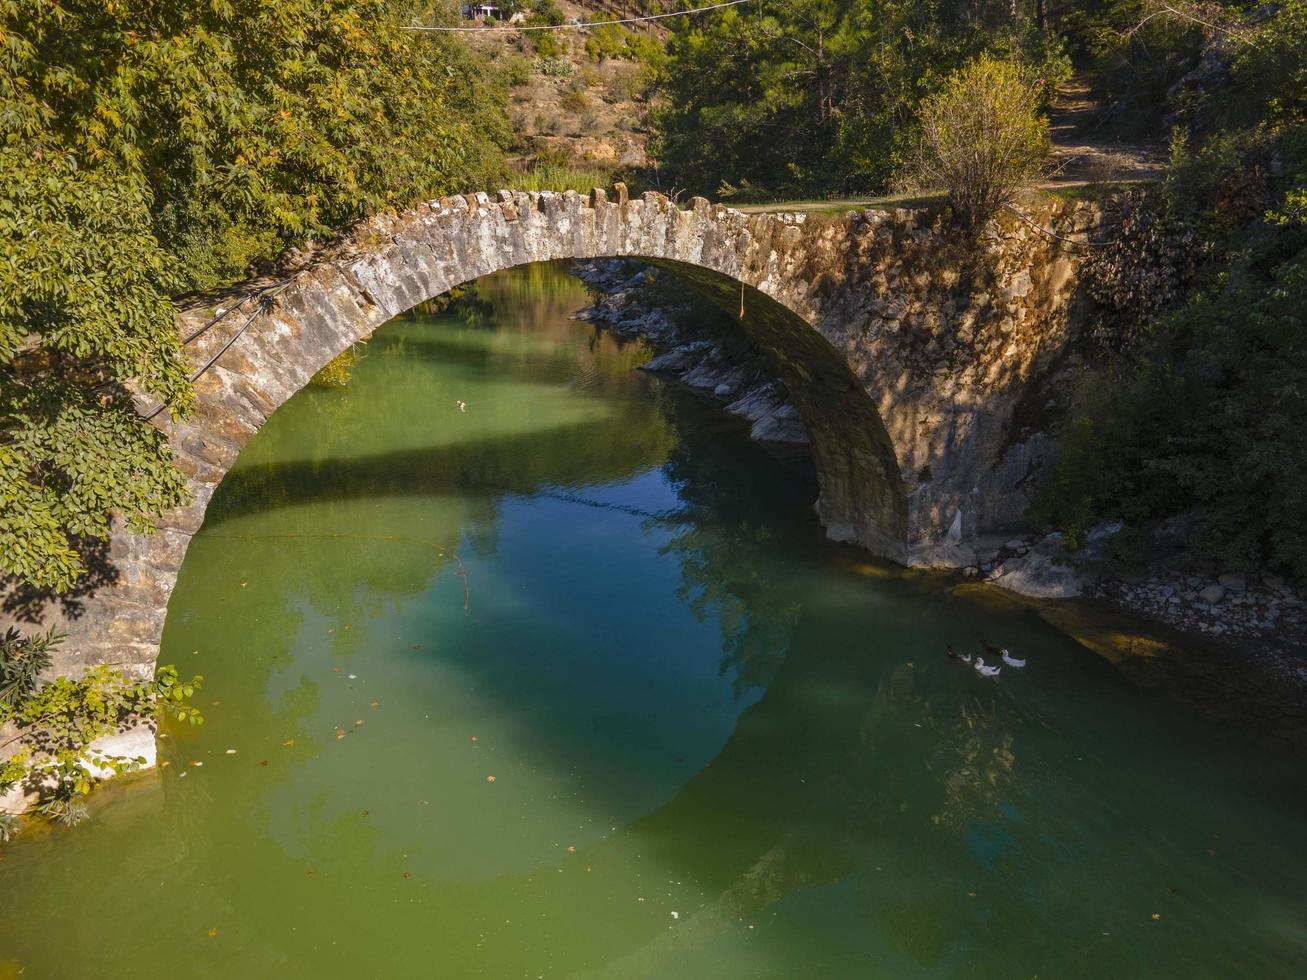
{"points": [[562, 177]]}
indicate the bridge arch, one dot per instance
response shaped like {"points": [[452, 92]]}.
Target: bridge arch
{"points": [[908, 416]]}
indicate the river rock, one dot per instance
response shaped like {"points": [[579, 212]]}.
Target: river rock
{"points": [[1233, 582], [134, 744], [1040, 576], [1212, 594]]}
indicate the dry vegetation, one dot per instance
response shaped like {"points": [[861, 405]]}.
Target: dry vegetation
{"points": [[579, 100]]}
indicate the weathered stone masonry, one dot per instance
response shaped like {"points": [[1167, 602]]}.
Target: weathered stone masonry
{"points": [[906, 353]]}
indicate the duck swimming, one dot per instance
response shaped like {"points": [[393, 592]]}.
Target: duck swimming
{"points": [[984, 671], [954, 655], [1011, 661]]}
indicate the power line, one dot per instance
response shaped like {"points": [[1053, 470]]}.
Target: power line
{"points": [[580, 27]]}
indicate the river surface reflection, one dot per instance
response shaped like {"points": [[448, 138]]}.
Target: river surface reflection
{"points": [[569, 684]]}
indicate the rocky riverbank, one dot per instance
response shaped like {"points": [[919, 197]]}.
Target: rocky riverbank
{"points": [[1230, 645], [632, 300]]}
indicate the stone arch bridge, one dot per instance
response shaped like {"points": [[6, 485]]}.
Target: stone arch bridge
{"points": [[912, 356]]}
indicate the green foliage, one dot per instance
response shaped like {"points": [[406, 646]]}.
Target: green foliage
{"points": [[22, 660], [817, 97], [337, 372], [1211, 420], [545, 13], [156, 146], [982, 138], [573, 101], [1136, 58], [58, 721], [554, 67], [515, 70], [546, 46], [1203, 414]]}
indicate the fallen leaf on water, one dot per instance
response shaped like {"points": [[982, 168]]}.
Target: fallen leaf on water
{"points": [[358, 722], [196, 762], [340, 733], [971, 894], [376, 704], [425, 802], [308, 874], [212, 933], [263, 762], [475, 739], [335, 670], [1156, 916], [490, 779], [417, 646], [216, 703], [571, 848], [230, 752], [365, 813], [164, 764], [288, 743], [406, 874]]}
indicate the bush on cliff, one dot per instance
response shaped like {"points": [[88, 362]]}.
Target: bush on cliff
{"points": [[982, 138]]}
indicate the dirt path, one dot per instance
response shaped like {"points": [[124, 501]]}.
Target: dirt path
{"points": [[1083, 150]]}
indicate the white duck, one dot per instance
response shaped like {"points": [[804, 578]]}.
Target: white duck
{"points": [[1012, 661], [984, 671]]}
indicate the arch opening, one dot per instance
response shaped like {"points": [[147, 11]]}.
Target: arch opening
{"points": [[391, 263]]}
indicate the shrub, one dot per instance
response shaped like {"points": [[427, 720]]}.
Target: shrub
{"points": [[573, 101], [515, 69], [22, 660], [555, 67], [981, 138]]}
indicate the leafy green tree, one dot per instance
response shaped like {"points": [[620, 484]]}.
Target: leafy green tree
{"points": [[982, 137], [785, 97], [152, 147]]}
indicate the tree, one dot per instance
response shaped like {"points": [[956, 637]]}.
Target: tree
{"points": [[817, 97], [157, 146], [982, 138]]}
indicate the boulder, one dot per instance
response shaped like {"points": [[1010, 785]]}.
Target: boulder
{"points": [[1041, 576], [1212, 594], [1233, 582]]}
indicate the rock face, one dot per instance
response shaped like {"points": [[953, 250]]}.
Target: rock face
{"points": [[908, 356], [690, 352]]}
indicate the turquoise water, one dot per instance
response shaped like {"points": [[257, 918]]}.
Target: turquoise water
{"points": [[720, 746]]}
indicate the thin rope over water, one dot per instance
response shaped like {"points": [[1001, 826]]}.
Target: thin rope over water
{"points": [[577, 27]]}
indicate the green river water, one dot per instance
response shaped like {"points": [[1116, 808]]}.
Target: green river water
{"points": [[721, 747]]}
